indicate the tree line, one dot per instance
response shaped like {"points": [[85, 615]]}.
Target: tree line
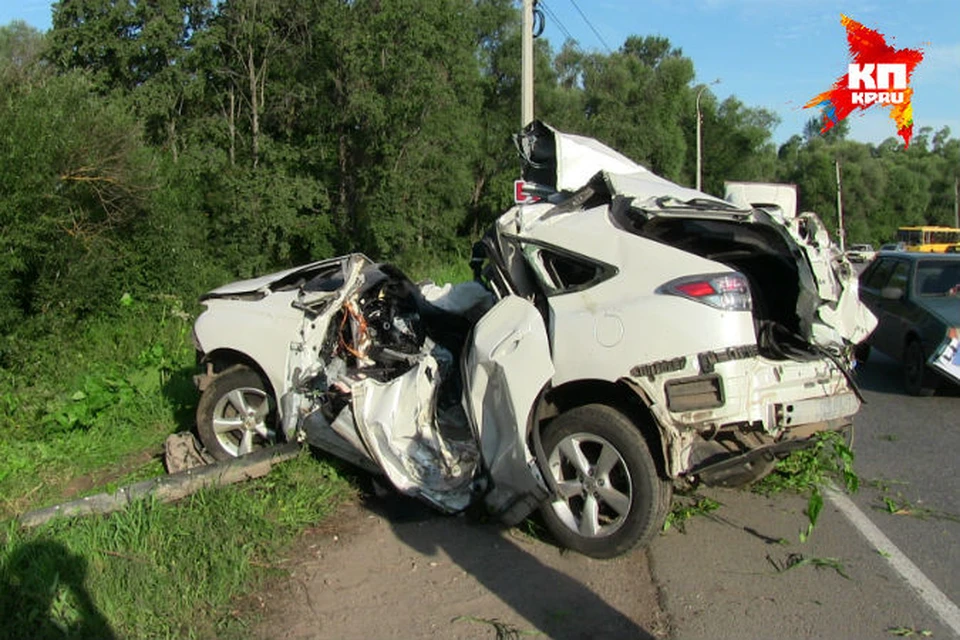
{"points": [[168, 145]]}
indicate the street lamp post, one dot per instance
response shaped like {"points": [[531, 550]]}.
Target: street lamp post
{"points": [[699, 136]]}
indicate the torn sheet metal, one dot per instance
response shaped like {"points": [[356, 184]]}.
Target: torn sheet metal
{"points": [[396, 422], [840, 315]]}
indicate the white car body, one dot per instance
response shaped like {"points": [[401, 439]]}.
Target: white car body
{"points": [[597, 296]]}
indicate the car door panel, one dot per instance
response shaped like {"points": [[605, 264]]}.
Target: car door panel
{"points": [[505, 370]]}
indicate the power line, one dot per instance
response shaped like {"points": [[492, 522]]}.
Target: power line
{"points": [[553, 16], [590, 24]]}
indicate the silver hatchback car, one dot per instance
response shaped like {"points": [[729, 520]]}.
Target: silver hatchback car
{"points": [[622, 333]]}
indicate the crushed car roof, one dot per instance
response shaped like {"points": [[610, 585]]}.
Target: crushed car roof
{"points": [[567, 162]]}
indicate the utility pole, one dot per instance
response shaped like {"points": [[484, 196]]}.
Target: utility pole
{"points": [[526, 74], [840, 232]]}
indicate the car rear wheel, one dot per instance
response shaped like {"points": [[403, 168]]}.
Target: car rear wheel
{"points": [[610, 496], [917, 377], [236, 414], [861, 352]]}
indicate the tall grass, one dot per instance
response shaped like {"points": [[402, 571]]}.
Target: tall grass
{"points": [[452, 269], [79, 400]]}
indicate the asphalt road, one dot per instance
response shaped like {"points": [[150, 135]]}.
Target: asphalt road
{"points": [[721, 579], [907, 451]]}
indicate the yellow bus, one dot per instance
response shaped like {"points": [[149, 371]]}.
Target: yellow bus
{"points": [[929, 239]]}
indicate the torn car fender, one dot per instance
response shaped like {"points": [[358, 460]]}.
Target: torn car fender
{"points": [[504, 372]]}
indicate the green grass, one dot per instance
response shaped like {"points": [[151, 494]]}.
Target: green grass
{"points": [[153, 570], [160, 570], [91, 400], [85, 409], [451, 271]]}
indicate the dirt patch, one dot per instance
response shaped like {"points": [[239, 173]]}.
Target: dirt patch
{"points": [[392, 568], [102, 477]]}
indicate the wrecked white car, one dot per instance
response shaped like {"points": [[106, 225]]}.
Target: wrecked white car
{"points": [[622, 333]]}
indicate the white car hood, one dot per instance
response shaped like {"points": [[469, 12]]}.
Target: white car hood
{"points": [[264, 283], [259, 283]]}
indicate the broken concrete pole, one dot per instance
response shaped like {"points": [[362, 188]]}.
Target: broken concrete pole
{"points": [[171, 487]]}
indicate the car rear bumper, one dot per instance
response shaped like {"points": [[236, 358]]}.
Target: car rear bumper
{"points": [[743, 404]]}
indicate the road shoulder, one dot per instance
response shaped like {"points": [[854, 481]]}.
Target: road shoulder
{"points": [[393, 569]]}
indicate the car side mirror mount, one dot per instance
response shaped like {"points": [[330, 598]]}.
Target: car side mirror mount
{"points": [[891, 293]]}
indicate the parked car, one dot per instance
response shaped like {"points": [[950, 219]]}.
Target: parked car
{"points": [[860, 253], [915, 299], [622, 333], [893, 246]]}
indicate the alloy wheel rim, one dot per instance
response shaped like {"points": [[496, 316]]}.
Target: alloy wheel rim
{"points": [[594, 487], [240, 420]]}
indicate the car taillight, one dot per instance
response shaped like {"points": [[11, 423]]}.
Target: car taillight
{"points": [[727, 291]]}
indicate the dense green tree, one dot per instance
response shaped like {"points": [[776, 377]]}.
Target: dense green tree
{"points": [[176, 143], [736, 144], [74, 181], [21, 47], [634, 101], [884, 187]]}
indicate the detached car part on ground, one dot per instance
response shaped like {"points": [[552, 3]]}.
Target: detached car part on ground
{"points": [[622, 333], [916, 298]]}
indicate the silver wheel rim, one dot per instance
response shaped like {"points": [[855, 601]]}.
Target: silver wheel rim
{"points": [[240, 421], [594, 487]]}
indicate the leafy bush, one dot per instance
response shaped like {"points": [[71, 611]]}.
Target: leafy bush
{"points": [[73, 183], [807, 470]]}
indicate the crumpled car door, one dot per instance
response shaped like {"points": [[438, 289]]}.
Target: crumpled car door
{"points": [[397, 424], [504, 371]]}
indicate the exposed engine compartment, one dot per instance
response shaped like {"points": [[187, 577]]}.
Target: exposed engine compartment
{"points": [[392, 338]]}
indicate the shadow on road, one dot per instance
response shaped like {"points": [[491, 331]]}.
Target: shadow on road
{"points": [[558, 605], [42, 595]]}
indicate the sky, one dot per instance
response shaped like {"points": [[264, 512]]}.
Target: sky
{"points": [[778, 54], [775, 54]]}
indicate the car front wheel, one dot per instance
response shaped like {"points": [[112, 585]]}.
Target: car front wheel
{"points": [[609, 494], [917, 378], [236, 414]]}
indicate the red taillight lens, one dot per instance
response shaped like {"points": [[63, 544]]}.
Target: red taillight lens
{"points": [[696, 289], [727, 291]]}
